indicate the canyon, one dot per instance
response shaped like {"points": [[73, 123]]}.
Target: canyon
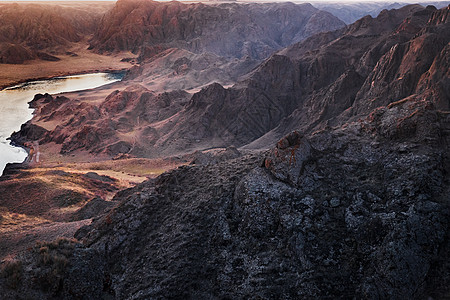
{"points": [[252, 150]]}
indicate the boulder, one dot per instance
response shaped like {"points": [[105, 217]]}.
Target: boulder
{"points": [[286, 161]]}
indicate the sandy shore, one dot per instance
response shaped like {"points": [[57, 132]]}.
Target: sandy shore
{"points": [[84, 62], [20, 228]]}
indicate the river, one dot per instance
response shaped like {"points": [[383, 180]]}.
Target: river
{"points": [[14, 110]]}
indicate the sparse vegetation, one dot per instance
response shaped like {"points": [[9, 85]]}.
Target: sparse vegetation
{"points": [[68, 198], [136, 167], [3, 210], [12, 271], [46, 271], [53, 258]]}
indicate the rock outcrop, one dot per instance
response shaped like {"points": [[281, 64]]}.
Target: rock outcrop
{"points": [[254, 30], [361, 213], [33, 31], [287, 160], [350, 200]]}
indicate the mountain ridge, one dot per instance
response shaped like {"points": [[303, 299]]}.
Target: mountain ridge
{"points": [[136, 25], [328, 85], [36, 31], [331, 180]]}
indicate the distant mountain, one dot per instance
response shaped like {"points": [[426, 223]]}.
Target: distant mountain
{"points": [[326, 80], [199, 56], [351, 11], [227, 29]]}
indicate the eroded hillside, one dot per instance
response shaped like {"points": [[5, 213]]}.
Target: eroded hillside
{"points": [[336, 187]]}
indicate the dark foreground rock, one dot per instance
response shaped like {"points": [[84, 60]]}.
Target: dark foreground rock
{"points": [[358, 210], [60, 269], [362, 212], [366, 217]]}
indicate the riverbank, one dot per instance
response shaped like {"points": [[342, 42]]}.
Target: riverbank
{"points": [[16, 111], [83, 63], [50, 194], [62, 74]]}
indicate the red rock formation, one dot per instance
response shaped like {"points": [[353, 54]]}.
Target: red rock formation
{"points": [[253, 30], [327, 80], [28, 31]]}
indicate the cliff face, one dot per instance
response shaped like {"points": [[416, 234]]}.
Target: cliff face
{"points": [[27, 30], [230, 30], [341, 82], [349, 201], [359, 211], [326, 80]]}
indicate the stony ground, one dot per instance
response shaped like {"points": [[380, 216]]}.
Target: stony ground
{"points": [[354, 208], [357, 211]]}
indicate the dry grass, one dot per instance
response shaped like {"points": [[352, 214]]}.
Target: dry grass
{"points": [[55, 193], [10, 221], [53, 258], [55, 252], [12, 271], [134, 167]]}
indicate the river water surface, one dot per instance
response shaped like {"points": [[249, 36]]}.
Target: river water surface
{"points": [[14, 110]]}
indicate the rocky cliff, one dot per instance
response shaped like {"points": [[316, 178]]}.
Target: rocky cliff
{"points": [[230, 30], [357, 211], [324, 81], [350, 199], [31, 31]]}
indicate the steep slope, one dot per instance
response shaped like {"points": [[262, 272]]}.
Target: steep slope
{"points": [[174, 69], [359, 211], [254, 30], [342, 79], [326, 80], [350, 12], [30, 31]]}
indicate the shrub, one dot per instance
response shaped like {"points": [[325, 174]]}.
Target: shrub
{"points": [[53, 258], [12, 271]]}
